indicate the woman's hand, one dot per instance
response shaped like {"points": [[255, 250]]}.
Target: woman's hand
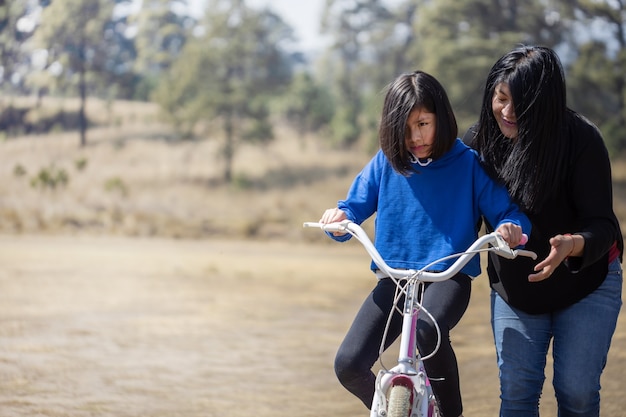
{"points": [[334, 215], [562, 246]]}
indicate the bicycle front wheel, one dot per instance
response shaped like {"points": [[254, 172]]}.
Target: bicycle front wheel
{"points": [[399, 403]]}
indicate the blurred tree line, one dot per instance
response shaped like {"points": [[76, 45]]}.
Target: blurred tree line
{"points": [[237, 70]]}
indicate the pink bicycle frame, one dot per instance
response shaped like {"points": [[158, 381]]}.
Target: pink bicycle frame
{"points": [[409, 370]]}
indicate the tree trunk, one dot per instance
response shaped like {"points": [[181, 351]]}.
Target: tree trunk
{"points": [[82, 117], [229, 148]]}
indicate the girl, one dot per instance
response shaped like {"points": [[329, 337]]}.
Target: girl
{"points": [[429, 192]]}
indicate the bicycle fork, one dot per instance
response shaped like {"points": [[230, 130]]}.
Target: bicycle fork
{"points": [[404, 390]]}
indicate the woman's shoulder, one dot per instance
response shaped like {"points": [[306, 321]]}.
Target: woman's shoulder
{"points": [[469, 138], [581, 128], [583, 134]]}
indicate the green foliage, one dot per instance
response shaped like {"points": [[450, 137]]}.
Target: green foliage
{"points": [[227, 76], [80, 164], [459, 40], [258, 129], [72, 33], [371, 118], [344, 127], [12, 56], [161, 36], [357, 27], [241, 182], [145, 87], [598, 72], [600, 81], [225, 72], [116, 185], [83, 51], [19, 170], [182, 93], [308, 106], [50, 178], [614, 136]]}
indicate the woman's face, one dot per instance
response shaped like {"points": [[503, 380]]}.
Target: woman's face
{"points": [[420, 134], [504, 110]]}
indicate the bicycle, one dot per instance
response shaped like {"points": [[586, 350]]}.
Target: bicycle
{"points": [[404, 390]]}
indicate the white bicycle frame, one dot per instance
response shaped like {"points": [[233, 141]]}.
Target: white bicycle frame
{"points": [[405, 390]]}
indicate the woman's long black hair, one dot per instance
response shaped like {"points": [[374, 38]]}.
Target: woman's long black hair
{"points": [[532, 166], [416, 90]]}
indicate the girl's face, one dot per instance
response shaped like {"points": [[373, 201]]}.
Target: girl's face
{"points": [[504, 110], [420, 133]]}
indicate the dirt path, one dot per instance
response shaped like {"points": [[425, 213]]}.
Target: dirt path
{"points": [[127, 327]]}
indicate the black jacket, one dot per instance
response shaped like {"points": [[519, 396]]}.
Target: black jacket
{"points": [[583, 205]]}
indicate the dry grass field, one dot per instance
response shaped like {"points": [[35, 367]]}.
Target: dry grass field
{"points": [[145, 286]]}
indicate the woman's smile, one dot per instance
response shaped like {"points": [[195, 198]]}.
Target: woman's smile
{"points": [[504, 110]]}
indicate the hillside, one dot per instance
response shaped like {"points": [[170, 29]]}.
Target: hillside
{"points": [[133, 180]]}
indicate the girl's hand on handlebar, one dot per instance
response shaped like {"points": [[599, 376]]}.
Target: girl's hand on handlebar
{"points": [[334, 215], [511, 233]]}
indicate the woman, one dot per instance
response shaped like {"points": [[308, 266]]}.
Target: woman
{"points": [[556, 167], [428, 192]]}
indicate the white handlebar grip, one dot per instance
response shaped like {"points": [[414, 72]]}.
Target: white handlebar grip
{"points": [[327, 227]]}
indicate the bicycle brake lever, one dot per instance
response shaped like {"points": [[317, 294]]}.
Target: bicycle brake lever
{"points": [[503, 248], [505, 251], [526, 253]]}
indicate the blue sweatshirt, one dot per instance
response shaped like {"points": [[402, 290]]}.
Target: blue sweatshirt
{"points": [[431, 213]]}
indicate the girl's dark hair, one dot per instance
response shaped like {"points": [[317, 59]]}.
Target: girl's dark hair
{"points": [[532, 165], [417, 90]]}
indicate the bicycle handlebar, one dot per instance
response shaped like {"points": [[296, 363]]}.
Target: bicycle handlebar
{"points": [[498, 245]]}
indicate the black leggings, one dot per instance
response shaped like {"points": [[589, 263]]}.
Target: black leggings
{"points": [[446, 301]]}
